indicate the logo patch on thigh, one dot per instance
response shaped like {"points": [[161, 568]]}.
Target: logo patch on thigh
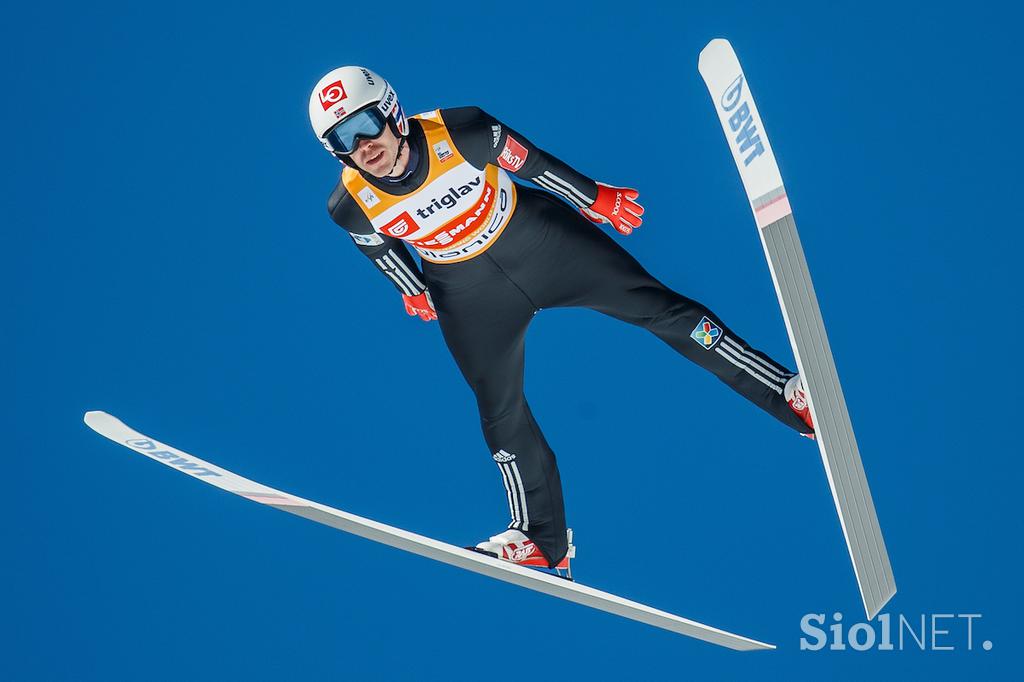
{"points": [[502, 456], [706, 333]]}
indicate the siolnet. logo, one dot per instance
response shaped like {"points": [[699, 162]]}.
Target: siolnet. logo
{"points": [[706, 333], [892, 632]]}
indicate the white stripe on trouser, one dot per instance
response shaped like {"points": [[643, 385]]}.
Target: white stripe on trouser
{"points": [[387, 271], [580, 195], [513, 512], [773, 370], [551, 187], [522, 497], [517, 495], [405, 268], [744, 364]]}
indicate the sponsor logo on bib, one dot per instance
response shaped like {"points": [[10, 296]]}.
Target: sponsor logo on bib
{"points": [[443, 151], [401, 226], [369, 197]]}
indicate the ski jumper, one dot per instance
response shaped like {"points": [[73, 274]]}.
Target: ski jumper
{"points": [[494, 253]]}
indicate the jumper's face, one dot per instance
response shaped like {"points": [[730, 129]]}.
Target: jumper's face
{"points": [[377, 157]]}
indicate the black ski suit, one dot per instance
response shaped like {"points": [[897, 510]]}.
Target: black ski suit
{"points": [[547, 256]]}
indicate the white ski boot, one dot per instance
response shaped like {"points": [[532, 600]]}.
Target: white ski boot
{"points": [[513, 546], [796, 396]]}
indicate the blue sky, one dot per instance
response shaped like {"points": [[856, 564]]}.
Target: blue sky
{"points": [[168, 259]]}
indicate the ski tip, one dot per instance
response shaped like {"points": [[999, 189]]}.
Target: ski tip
{"points": [[713, 47], [94, 417]]}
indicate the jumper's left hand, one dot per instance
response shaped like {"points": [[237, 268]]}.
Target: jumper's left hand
{"points": [[617, 206]]}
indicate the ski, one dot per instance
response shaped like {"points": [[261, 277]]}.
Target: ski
{"points": [[114, 429], [745, 133]]}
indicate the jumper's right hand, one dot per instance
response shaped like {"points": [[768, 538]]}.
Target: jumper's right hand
{"points": [[421, 305], [616, 206]]}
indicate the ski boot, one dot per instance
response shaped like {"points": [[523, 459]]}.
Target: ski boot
{"points": [[796, 396], [513, 546]]}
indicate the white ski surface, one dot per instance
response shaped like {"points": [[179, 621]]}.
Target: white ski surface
{"points": [[755, 160], [114, 429]]}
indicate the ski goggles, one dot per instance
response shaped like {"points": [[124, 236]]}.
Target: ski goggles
{"points": [[366, 124]]}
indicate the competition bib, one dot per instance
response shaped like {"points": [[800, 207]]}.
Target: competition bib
{"points": [[456, 214]]}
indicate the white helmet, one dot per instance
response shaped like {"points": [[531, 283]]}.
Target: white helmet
{"points": [[352, 103]]}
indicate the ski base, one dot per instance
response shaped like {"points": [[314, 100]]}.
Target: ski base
{"points": [[832, 426], [759, 171]]}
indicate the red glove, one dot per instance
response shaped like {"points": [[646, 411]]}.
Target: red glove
{"points": [[421, 305], [615, 205]]}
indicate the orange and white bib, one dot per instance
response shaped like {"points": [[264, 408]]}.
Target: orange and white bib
{"points": [[458, 211]]}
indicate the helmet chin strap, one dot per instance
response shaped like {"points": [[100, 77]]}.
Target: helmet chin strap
{"points": [[401, 142]]}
